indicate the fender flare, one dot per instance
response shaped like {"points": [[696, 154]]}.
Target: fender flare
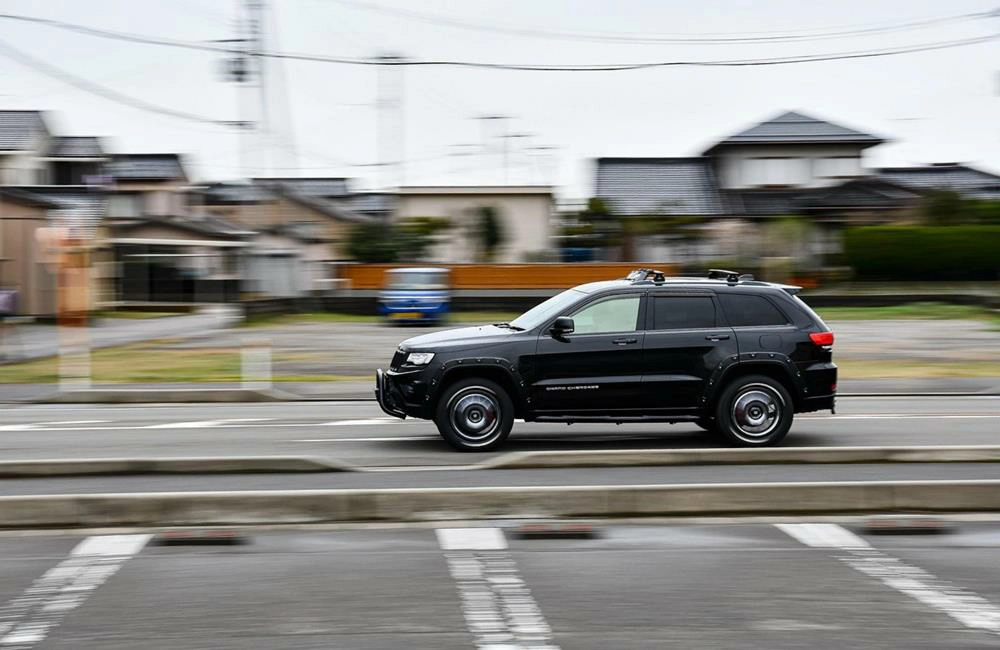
{"points": [[735, 362], [490, 365]]}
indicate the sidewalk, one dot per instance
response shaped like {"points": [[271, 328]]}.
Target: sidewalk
{"points": [[32, 341], [362, 389]]}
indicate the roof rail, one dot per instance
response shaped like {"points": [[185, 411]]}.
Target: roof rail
{"points": [[644, 275]]}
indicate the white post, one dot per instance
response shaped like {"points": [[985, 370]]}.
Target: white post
{"points": [[256, 363]]}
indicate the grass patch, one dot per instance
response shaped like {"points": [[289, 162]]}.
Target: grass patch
{"points": [[910, 311], [914, 369], [278, 320], [137, 315]]}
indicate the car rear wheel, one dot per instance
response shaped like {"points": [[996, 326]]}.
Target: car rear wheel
{"points": [[474, 415], [754, 411]]}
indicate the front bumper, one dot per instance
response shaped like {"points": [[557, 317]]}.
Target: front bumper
{"points": [[388, 396]]}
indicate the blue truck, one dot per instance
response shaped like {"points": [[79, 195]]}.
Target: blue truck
{"points": [[415, 295]]}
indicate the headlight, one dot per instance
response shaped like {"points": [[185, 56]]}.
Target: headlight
{"points": [[419, 358]]}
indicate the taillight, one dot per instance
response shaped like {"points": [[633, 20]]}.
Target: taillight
{"points": [[822, 338]]}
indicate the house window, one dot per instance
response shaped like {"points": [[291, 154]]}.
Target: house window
{"points": [[124, 205], [838, 167], [780, 171]]}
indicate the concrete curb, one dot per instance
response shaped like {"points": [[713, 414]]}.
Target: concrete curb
{"points": [[164, 396], [436, 504], [770, 456], [125, 466]]}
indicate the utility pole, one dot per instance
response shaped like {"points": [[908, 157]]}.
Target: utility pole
{"points": [[390, 124], [502, 119]]}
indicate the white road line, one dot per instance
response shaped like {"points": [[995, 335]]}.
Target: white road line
{"points": [[966, 607], [374, 439], [904, 416], [471, 539], [202, 424], [26, 620], [499, 609], [363, 422]]}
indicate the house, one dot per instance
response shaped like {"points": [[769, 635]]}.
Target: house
{"points": [[791, 165], [302, 227], [23, 267], [525, 214]]}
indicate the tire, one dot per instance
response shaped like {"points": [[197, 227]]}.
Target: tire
{"points": [[474, 415], [754, 411]]}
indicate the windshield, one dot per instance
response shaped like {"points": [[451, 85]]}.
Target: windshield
{"points": [[554, 306], [410, 280]]}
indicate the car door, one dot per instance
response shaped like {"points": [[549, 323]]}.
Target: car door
{"points": [[684, 344], [597, 368]]}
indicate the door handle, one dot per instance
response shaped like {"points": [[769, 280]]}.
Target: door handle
{"points": [[717, 337], [625, 341]]}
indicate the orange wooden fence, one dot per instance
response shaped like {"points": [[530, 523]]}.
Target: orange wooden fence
{"points": [[502, 276]]}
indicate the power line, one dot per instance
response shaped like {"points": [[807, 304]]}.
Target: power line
{"points": [[102, 91], [640, 39], [587, 67]]}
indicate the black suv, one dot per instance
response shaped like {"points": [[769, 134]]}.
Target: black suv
{"points": [[735, 356]]}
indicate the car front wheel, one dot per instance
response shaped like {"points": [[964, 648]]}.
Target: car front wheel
{"points": [[474, 415], [754, 411]]}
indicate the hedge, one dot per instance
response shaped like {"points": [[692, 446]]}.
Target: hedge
{"points": [[924, 252]]}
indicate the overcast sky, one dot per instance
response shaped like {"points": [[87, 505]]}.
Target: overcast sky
{"points": [[941, 105]]}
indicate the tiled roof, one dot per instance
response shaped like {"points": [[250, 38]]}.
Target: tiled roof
{"points": [[797, 128], [147, 167], [659, 186], [967, 181], [372, 202], [20, 129], [318, 187], [263, 190], [24, 196], [863, 193], [75, 147]]}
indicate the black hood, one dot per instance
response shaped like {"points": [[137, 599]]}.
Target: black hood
{"points": [[455, 340]]}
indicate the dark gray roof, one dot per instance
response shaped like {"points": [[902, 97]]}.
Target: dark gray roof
{"points": [[75, 147], [206, 225], [20, 129], [796, 128], [373, 203], [235, 193], [862, 193], [659, 186], [317, 187], [264, 190], [147, 167], [28, 197], [967, 181]]}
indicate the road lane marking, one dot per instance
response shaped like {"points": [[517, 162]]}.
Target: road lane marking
{"points": [[203, 424], [362, 422], [27, 620], [967, 607], [498, 607]]}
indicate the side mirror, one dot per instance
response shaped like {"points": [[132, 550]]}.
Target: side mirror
{"points": [[561, 327]]}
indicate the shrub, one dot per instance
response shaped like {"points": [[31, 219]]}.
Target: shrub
{"points": [[924, 252]]}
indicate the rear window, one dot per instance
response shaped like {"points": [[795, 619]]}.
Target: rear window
{"points": [[683, 312], [744, 310]]}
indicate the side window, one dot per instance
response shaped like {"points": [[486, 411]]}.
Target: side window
{"points": [[619, 314], [750, 311], [683, 312]]}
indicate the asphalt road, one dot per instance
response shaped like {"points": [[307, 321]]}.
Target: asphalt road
{"points": [[358, 433], [720, 586]]}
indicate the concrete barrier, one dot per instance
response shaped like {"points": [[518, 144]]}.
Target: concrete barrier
{"points": [[437, 504], [208, 465], [769, 456]]}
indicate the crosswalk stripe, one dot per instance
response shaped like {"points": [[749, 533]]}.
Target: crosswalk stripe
{"points": [[966, 607]]}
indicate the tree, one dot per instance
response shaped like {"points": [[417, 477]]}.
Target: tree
{"points": [[406, 241], [942, 207], [491, 234]]}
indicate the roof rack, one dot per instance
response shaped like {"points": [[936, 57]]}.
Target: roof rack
{"points": [[645, 275], [731, 277]]}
